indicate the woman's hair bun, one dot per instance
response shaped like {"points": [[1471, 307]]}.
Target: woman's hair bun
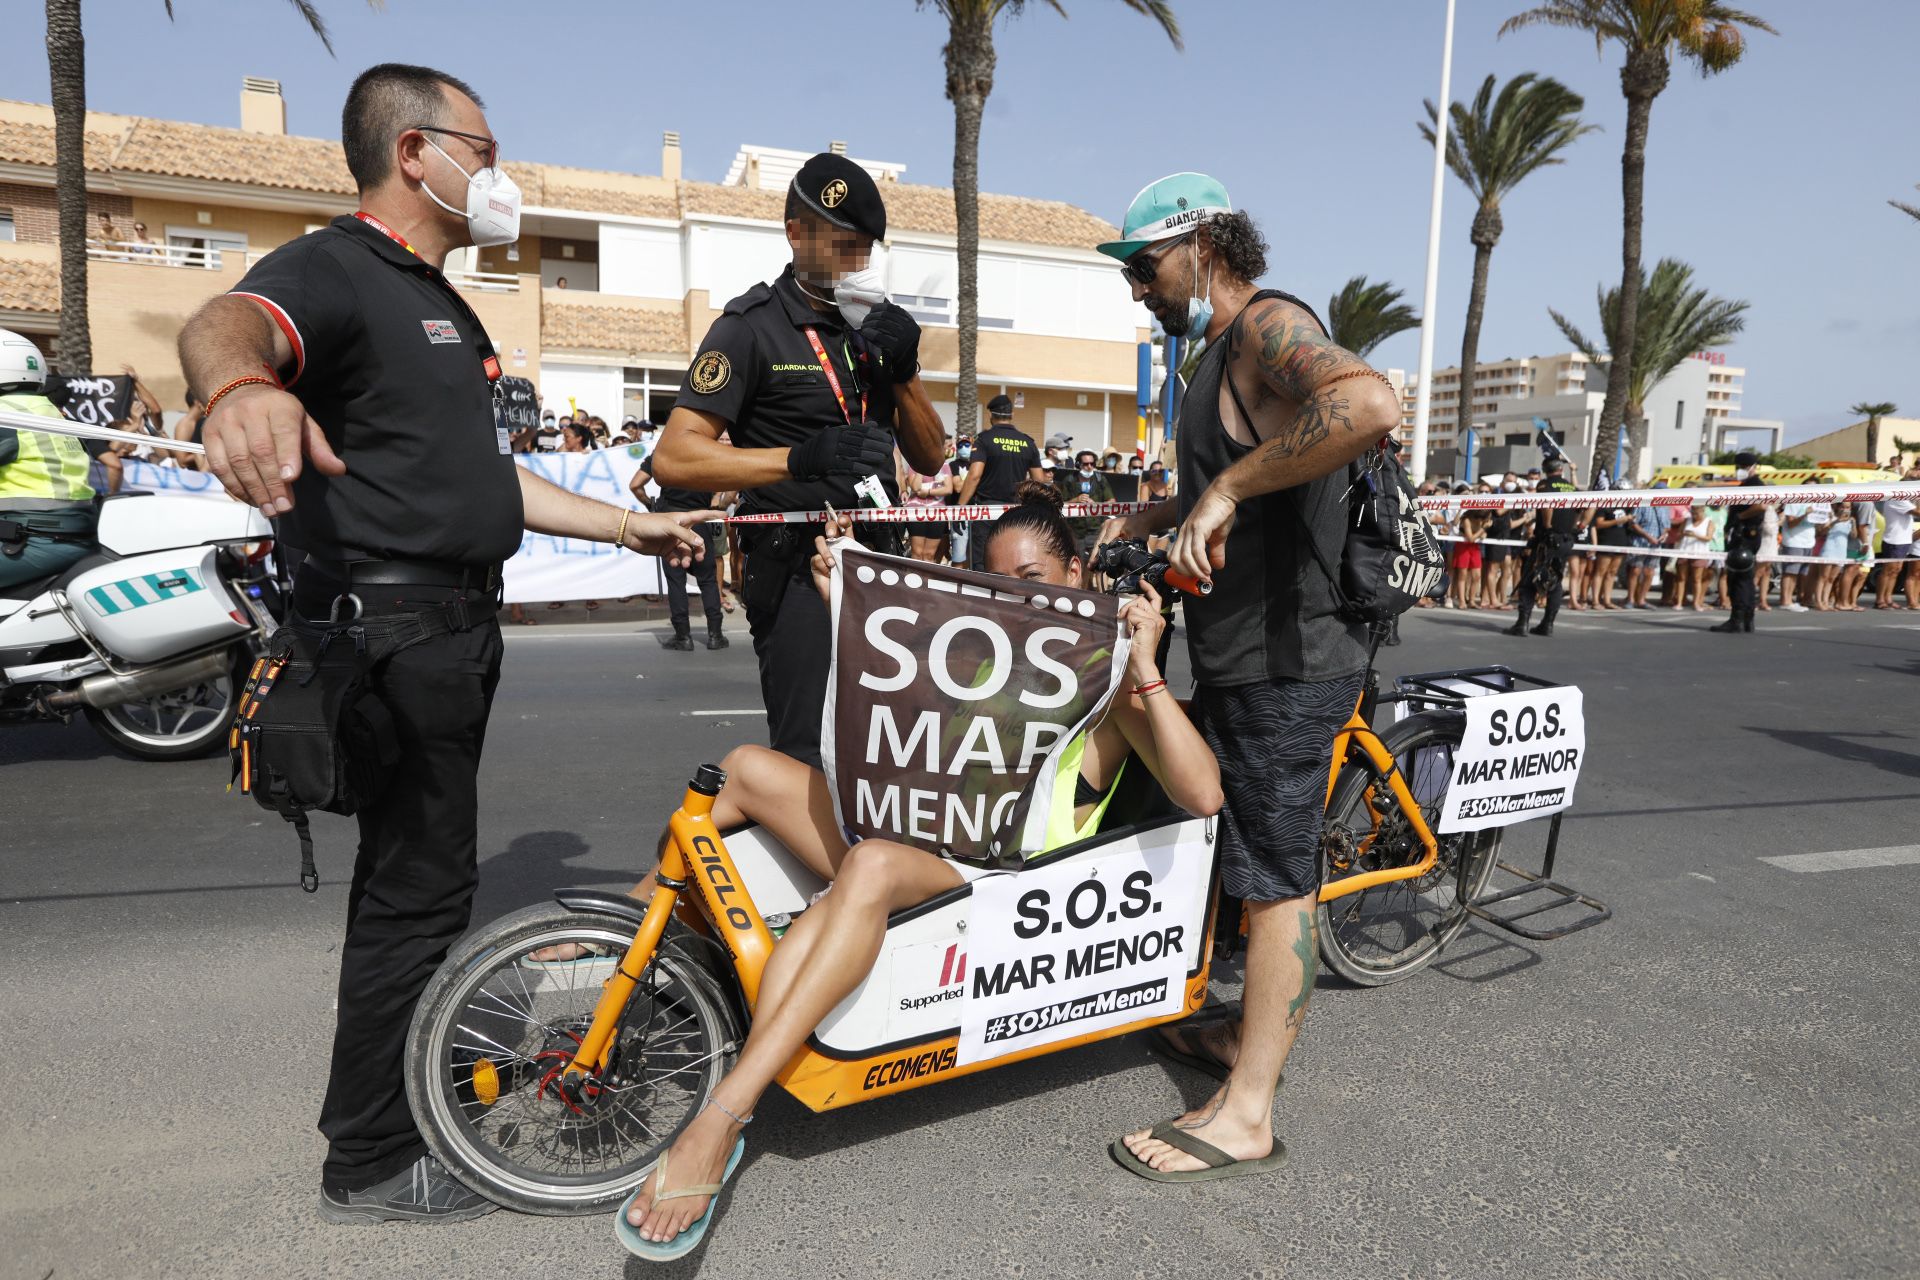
{"points": [[1037, 493]]}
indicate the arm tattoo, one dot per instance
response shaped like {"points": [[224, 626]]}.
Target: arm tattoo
{"points": [[1316, 421], [1295, 357]]}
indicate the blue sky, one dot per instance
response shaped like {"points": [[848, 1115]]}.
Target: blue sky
{"points": [[1771, 180]]}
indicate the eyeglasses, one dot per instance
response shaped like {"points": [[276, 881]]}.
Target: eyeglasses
{"points": [[489, 147], [1142, 267]]}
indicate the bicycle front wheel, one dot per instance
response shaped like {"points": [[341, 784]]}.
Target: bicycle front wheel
{"points": [[489, 1045], [1382, 934]]}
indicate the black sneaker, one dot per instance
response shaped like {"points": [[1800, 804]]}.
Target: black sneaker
{"points": [[422, 1192]]}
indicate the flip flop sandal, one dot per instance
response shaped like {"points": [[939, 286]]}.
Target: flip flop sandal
{"points": [[1219, 1163], [689, 1240]]}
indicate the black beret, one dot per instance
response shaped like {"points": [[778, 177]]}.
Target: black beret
{"points": [[1000, 407], [843, 193]]}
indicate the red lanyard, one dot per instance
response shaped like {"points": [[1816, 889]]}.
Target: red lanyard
{"points": [[387, 231], [489, 360], [833, 379]]}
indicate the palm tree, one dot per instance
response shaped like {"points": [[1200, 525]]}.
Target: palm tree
{"points": [[1873, 411], [1705, 33], [67, 72], [1676, 320], [1491, 146], [1362, 316], [970, 61]]}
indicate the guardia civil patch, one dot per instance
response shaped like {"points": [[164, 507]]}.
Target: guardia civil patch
{"points": [[709, 373]]}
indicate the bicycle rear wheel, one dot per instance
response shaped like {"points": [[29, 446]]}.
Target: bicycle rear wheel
{"points": [[493, 1033], [1382, 934]]}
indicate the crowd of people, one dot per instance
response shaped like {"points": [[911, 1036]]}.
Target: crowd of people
{"points": [[1818, 557]]}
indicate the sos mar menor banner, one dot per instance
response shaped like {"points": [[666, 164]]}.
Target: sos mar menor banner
{"points": [[1519, 758], [951, 696]]}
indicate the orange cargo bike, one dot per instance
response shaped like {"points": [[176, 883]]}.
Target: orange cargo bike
{"points": [[553, 1087]]}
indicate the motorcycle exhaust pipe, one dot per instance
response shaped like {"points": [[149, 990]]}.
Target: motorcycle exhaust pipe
{"points": [[109, 690]]}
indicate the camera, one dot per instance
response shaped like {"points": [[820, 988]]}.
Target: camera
{"points": [[1128, 562]]}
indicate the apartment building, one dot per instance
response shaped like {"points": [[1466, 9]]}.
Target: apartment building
{"points": [[1694, 411], [609, 290]]}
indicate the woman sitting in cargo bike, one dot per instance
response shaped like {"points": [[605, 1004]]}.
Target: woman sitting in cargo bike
{"points": [[832, 946]]}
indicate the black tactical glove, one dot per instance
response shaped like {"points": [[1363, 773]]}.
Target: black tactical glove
{"points": [[896, 335], [859, 449]]}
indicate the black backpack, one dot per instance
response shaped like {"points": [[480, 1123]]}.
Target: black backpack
{"points": [[1391, 559]]}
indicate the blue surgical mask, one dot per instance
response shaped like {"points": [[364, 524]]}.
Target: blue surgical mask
{"points": [[1200, 310]]}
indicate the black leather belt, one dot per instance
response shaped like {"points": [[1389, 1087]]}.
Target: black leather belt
{"points": [[407, 573]]}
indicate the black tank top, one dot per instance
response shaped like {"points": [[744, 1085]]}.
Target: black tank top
{"points": [[1272, 614]]}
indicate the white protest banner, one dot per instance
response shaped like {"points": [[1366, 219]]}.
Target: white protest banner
{"points": [[951, 698], [1059, 952], [139, 476], [1519, 759], [550, 568], [546, 567]]}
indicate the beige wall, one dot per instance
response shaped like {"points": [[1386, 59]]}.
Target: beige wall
{"points": [[512, 320], [135, 311], [264, 228]]}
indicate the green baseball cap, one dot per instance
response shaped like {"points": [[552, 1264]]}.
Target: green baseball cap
{"points": [[1165, 208]]}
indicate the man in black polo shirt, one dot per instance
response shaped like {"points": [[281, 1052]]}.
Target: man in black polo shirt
{"points": [[672, 499], [812, 375], [1003, 456], [386, 460]]}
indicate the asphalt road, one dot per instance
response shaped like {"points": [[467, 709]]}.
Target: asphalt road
{"points": [[1719, 1082]]}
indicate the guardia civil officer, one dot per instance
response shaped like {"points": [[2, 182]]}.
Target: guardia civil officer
{"points": [[810, 376], [1543, 563], [1744, 525], [352, 393]]}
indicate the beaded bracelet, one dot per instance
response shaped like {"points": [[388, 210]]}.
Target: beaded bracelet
{"points": [[620, 538]]}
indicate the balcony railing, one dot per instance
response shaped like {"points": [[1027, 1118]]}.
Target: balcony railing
{"points": [[152, 254], [484, 281]]}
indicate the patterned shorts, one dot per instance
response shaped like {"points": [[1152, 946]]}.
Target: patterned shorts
{"points": [[1274, 741]]}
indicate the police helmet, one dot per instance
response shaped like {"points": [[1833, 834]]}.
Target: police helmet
{"points": [[21, 364], [1741, 559]]}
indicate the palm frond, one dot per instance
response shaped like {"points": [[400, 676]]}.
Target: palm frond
{"points": [[1675, 319], [1581, 343], [311, 16], [1365, 314], [1874, 409], [1161, 11], [1494, 142]]}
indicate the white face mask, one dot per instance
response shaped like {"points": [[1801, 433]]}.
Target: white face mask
{"points": [[857, 293], [1741, 473], [493, 203]]}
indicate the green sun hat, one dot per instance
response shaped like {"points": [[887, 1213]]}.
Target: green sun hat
{"points": [[1165, 208]]}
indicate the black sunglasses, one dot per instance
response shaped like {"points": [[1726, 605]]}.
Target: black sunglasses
{"points": [[1143, 266], [489, 147]]}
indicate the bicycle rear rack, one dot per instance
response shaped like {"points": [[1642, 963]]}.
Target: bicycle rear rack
{"points": [[1451, 689]]}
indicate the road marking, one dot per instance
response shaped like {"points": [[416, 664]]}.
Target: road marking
{"points": [[1848, 859], [750, 711]]}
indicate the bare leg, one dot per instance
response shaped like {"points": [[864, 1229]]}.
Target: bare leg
{"points": [[877, 877], [1282, 959]]}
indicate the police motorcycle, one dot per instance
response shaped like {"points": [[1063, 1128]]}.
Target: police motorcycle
{"points": [[149, 635]]}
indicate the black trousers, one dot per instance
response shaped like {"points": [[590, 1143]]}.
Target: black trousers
{"points": [[793, 641], [1542, 564], [414, 877], [1740, 587], [703, 572]]}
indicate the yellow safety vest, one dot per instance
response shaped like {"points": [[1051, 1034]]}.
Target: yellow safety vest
{"points": [[50, 470]]}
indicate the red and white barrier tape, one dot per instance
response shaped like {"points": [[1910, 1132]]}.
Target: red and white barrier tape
{"points": [[1665, 553]]}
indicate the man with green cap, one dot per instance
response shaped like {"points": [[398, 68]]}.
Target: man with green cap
{"points": [[1274, 415]]}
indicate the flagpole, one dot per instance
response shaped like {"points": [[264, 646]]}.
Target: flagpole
{"points": [[1423, 399]]}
